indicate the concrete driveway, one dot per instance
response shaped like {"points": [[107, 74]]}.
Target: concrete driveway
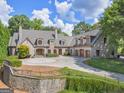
{"points": [[71, 62]]}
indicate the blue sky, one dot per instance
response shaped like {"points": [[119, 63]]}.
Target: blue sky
{"points": [[63, 14]]}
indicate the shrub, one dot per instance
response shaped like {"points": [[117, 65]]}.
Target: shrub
{"points": [[92, 85], [78, 81], [23, 51], [122, 51], [52, 55]]}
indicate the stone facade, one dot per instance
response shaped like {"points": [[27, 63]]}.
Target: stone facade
{"points": [[40, 43]]}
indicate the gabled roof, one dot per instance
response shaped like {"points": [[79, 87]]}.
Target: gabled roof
{"points": [[33, 35]]}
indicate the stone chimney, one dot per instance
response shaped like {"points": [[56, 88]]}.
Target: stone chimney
{"points": [[20, 34], [56, 34]]}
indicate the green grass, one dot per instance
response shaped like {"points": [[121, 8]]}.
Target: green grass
{"points": [[14, 61], [78, 81], [111, 65], [67, 91]]}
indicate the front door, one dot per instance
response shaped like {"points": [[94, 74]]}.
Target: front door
{"points": [[60, 51], [40, 52], [81, 52]]}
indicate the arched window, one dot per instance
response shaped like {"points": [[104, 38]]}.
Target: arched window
{"points": [[39, 42]]}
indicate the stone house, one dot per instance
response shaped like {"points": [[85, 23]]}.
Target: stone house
{"points": [[40, 43]]}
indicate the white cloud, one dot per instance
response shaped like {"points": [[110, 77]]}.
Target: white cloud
{"points": [[5, 10], [63, 7], [67, 28], [90, 8], [44, 15], [64, 10]]}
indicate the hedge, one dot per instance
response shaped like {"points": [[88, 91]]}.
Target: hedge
{"points": [[92, 85]]}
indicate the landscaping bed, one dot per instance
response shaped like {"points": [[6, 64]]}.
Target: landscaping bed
{"points": [[112, 65], [14, 61]]}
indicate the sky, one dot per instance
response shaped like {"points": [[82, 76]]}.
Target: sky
{"points": [[62, 14]]}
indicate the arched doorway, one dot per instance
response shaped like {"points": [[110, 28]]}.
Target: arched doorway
{"points": [[39, 51], [55, 51], [82, 52], [60, 51]]}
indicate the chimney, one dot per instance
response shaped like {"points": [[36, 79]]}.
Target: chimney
{"points": [[56, 34], [20, 34]]}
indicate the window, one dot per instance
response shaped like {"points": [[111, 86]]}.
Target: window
{"points": [[61, 42], [105, 40], [55, 51], [49, 51], [48, 42], [39, 42], [97, 52]]}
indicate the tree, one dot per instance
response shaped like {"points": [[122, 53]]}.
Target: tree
{"points": [[37, 24], [47, 28], [17, 20], [81, 27], [112, 22], [96, 26], [4, 40], [23, 51]]}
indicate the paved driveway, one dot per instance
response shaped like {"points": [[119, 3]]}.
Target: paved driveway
{"points": [[71, 62]]}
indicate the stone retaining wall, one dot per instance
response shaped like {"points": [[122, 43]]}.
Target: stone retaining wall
{"points": [[32, 84]]}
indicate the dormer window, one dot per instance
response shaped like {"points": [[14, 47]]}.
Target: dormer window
{"points": [[61, 42], [39, 41], [50, 41]]}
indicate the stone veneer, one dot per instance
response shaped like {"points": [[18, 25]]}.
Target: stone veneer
{"points": [[32, 84]]}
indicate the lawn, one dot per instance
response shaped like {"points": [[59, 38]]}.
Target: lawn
{"points": [[78, 82], [111, 65], [67, 91], [14, 61]]}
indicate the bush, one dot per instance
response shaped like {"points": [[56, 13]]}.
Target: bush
{"points": [[122, 51], [92, 85], [23, 51], [78, 81], [52, 55]]}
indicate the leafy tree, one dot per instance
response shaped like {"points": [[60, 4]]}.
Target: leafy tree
{"points": [[17, 20], [37, 24], [4, 40], [81, 27], [23, 51], [96, 26], [112, 22], [47, 28]]}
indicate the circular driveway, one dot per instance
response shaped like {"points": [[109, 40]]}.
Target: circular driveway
{"points": [[71, 62]]}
